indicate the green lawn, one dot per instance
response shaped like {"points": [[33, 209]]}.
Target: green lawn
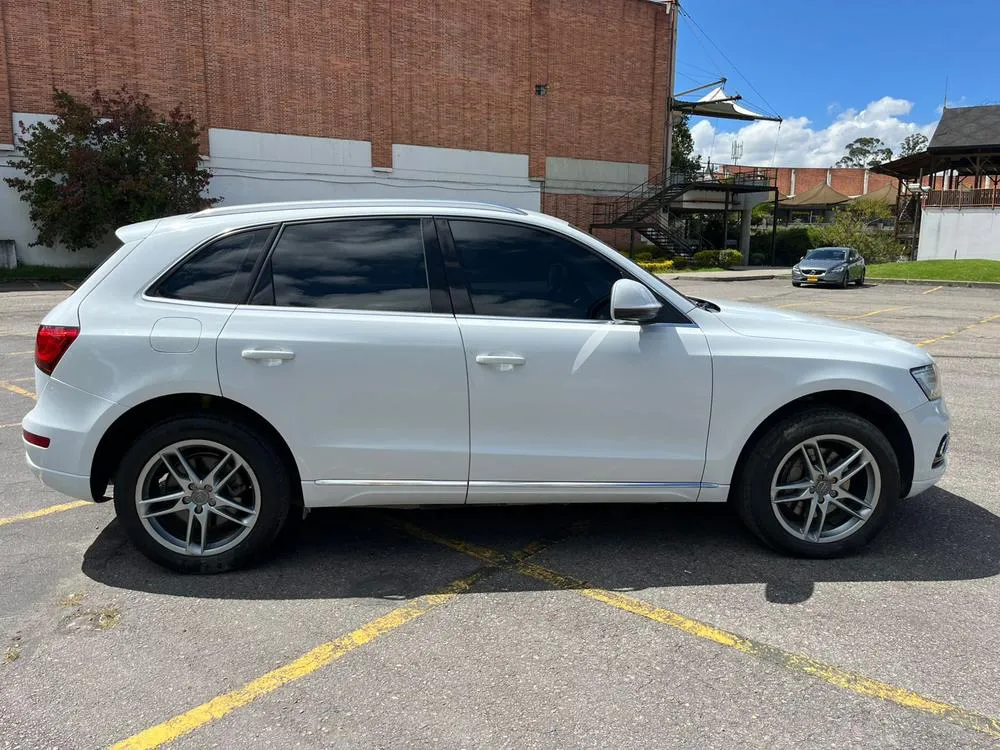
{"points": [[938, 270], [43, 273]]}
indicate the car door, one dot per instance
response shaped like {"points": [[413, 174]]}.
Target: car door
{"points": [[349, 348], [565, 404]]}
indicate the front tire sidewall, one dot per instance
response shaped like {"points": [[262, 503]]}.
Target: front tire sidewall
{"points": [[755, 484], [272, 477]]}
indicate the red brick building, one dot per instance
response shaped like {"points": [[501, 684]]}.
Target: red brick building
{"points": [[546, 104]]}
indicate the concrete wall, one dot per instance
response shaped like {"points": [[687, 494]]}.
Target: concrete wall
{"points": [[959, 233]]}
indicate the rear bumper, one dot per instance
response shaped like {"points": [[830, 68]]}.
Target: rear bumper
{"points": [[74, 421]]}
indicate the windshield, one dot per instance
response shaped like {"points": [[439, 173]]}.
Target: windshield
{"points": [[827, 253]]}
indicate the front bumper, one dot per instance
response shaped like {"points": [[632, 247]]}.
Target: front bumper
{"points": [[816, 279], [927, 425]]}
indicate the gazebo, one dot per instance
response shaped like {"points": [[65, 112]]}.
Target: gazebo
{"points": [[815, 205]]}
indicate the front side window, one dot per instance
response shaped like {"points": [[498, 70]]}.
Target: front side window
{"points": [[357, 264], [219, 272], [522, 272]]}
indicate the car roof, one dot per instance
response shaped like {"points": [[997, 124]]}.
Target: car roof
{"points": [[416, 206]]}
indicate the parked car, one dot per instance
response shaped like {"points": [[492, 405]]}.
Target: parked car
{"points": [[839, 266], [224, 369]]}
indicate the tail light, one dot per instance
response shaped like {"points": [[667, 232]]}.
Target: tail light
{"points": [[51, 344], [39, 440]]}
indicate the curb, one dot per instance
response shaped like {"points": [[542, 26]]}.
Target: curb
{"points": [[716, 277], [932, 282]]}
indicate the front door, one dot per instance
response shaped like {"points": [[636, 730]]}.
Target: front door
{"points": [[348, 352], [565, 404]]}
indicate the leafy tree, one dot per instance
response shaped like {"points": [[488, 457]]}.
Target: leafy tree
{"points": [[682, 147], [106, 161], [854, 226], [865, 152], [914, 143]]}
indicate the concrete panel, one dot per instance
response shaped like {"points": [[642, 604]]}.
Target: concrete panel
{"points": [[950, 233], [458, 161], [591, 176], [291, 149]]}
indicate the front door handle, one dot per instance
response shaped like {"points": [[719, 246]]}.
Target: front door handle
{"points": [[269, 357], [504, 361]]}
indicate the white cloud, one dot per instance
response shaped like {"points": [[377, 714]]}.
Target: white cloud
{"points": [[801, 145]]}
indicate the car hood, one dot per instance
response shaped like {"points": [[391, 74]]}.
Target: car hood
{"points": [[820, 265], [766, 322]]}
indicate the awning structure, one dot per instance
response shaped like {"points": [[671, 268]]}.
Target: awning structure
{"points": [[885, 195], [821, 196], [717, 103]]}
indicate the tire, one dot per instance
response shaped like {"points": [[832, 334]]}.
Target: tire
{"points": [[246, 510], [796, 283], [846, 280], [772, 458], [861, 279]]}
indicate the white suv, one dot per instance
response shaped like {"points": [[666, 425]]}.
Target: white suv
{"points": [[225, 369]]}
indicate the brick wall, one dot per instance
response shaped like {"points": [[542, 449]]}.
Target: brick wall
{"points": [[847, 181], [578, 210], [450, 73]]}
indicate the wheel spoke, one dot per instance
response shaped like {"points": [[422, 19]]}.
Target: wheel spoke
{"points": [[225, 480], [210, 478], [819, 457], [804, 495], [222, 514], [844, 508], [181, 482], [842, 466], [226, 502], [822, 520], [847, 477], [175, 508], [192, 476], [190, 526], [809, 519], [163, 498], [850, 496], [793, 486]]}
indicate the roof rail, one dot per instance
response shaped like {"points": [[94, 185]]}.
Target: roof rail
{"points": [[356, 203]]}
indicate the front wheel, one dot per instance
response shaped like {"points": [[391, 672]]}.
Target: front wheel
{"points": [[819, 484], [861, 279], [203, 494]]}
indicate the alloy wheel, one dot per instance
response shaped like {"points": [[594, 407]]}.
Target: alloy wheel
{"points": [[825, 488], [197, 497]]}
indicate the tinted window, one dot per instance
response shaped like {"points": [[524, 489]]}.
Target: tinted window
{"points": [[365, 264], [826, 253], [517, 271], [220, 272]]}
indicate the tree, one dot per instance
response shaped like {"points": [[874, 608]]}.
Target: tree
{"points": [[682, 148], [855, 226], [106, 161], [914, 143], [865, 152]]}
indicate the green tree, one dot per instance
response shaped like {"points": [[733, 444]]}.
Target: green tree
{"points": [[855, 226], [682, 157], [914, 143], [865, 152], [106, 161]]}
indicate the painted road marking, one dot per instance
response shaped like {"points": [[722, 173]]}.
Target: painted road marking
{"points": [[10, 424], [8, 386], [952, 334], [842, 678], [316, 659], [873, 313], [43, 512], [29, 379], [933, 290], [796, 304], [16, 354]]}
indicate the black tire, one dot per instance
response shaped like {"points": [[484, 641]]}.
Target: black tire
{"points": [[796, 283], [273, 476], [846, 281], [861, 279], [753, 486]]}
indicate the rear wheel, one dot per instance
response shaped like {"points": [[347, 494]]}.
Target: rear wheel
{"points": [[203, 494], [819, 484]]}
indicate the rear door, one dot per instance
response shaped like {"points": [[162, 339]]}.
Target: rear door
{"points": [[350, 349]]}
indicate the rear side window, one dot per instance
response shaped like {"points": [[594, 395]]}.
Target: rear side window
{"points": [[357, 264], [219, 272]]}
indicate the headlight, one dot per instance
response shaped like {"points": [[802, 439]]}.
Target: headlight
{"points": [[795, 268], [838, 269], [928, 379]]}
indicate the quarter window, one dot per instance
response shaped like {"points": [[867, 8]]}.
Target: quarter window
{"points": [[219, 272], [518, 271], [364, 264]]}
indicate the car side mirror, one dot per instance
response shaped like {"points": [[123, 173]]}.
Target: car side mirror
{"points": [[632, 302]]}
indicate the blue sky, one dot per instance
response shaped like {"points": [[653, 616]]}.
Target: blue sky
{"points": [[836, 70]]}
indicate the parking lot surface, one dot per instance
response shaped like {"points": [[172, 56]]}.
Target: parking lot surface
{"points": [[597, 626]]}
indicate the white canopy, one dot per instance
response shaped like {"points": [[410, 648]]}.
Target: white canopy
{"points": [[717, 103]]}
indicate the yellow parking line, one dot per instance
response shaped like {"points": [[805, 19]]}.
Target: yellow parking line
{"points": [[16, 354], [933, 290], [7, 386], [43, 512], [952, 334], [796, 304], [856, 683], [30, 379], [10, 424], [313, 660], [872, 313]]}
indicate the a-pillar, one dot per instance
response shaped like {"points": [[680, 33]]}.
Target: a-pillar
{"points": [[745, 219]]}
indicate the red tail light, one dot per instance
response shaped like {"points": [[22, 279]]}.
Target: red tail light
{"points": [[51, 343]]}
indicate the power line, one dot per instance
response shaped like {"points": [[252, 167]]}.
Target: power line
{"points": [[690, 18]]}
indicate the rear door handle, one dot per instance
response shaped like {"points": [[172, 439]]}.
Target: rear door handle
{"points": [[505, 361], [269, 357]]}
